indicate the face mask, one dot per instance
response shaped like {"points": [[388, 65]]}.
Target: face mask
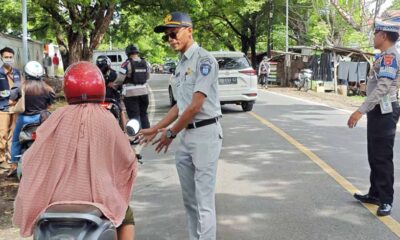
{"points": [[8, 61]]}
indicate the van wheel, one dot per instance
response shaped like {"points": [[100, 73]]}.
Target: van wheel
{"points": [[172, 100], [247, 106]]}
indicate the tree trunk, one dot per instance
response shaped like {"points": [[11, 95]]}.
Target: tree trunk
{"points": [[74, 47], [253, 40]]}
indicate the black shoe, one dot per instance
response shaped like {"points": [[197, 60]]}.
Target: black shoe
{"points": [[384, 209], [367, 199]]}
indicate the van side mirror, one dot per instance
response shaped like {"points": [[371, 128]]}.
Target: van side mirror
{"points": [[172, 70]]}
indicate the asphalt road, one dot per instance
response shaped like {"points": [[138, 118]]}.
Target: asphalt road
{"points": [[269, 183]]}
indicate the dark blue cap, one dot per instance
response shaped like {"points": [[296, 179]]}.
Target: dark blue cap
{"points": [[173, 20]]}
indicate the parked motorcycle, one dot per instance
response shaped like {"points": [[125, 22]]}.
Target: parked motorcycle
{"points": [[304, 81], [78, 221]]}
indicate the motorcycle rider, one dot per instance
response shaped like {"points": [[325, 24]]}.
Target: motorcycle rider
{"points": [[80, 156], [110, 75], [38, 97], [112, 89]]}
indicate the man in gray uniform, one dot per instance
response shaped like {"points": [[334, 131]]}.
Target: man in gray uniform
{"points": [[382, 109], [197, 113]]}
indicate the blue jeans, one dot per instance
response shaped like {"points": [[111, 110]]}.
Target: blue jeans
{"points": [[15, 145]]}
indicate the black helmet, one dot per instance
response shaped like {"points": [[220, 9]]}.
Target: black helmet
{"points": [[103, 62], [131, 49]]}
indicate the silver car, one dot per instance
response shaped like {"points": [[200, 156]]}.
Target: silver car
{"points": [[237, 80]]}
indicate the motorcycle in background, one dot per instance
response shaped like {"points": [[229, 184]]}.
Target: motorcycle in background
{"points": [[304, 81]]}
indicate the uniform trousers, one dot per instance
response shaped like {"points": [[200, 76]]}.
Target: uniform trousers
{"points": [[136, 107], [196, 163], [381, 132]]}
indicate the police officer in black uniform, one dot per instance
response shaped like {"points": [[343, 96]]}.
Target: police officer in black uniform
{"points": [[382, 109], [136, 71]]}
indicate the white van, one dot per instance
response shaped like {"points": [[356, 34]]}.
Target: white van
{"points": [[117, 57]]}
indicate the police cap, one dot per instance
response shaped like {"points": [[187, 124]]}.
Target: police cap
{"points": [[173, 20], [388, 25]]}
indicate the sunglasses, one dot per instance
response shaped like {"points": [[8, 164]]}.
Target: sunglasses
{"points": [[172, 35]]}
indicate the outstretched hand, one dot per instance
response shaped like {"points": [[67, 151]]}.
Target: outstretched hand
{"points": [[147, 135]]}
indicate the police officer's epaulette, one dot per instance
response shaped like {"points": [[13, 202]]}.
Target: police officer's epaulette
{"points": [[203, 53]]}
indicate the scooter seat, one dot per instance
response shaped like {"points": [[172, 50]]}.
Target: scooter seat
{"points": [[75, 208]]}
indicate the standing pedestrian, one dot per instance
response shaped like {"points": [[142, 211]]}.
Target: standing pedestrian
{"points": [[263, 72], [382, 109], [197, 114], [136, 99], [10, 79]]}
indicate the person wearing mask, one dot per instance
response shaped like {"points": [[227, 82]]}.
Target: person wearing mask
{"points": [[382, 109], [10, 79], [136, 71], [38, 98], [80, 155]]}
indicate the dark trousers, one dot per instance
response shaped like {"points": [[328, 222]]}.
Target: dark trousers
{"points": [[136, 107], [381, 132]]}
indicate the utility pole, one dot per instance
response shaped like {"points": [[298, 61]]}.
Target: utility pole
{"points": [[24, 33], [270, 22], [287, 56]]}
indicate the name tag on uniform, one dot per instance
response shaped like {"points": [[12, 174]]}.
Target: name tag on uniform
{"points": [[386, 104], [140, 70]]}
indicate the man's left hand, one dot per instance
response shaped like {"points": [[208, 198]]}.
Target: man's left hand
{"points": [[352, 122], [163, 141]]}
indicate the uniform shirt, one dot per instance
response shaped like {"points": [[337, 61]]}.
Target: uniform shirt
{"points": [[384, 77], [197, 71], [9, 84]]}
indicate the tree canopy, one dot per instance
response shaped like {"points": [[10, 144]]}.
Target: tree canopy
{"points": [[82, 26]]}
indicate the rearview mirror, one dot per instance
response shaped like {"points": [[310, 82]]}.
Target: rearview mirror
{"points": [[132, 127]]}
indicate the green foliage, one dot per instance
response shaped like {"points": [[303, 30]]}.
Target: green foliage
{"points": [[240, 25]]}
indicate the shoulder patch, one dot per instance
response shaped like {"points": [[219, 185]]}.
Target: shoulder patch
{"points": [[388, 67], [124, 64], [205, 69]]}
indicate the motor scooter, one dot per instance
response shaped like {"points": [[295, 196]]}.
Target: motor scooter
{"points": [[78, 221], [304, 81], [27, 137], [115, 108]]}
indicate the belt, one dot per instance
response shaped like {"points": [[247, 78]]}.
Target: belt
{"points": [[202, 123]]}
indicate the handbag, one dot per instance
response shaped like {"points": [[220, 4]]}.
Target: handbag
{"points": [[19, 107]]}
